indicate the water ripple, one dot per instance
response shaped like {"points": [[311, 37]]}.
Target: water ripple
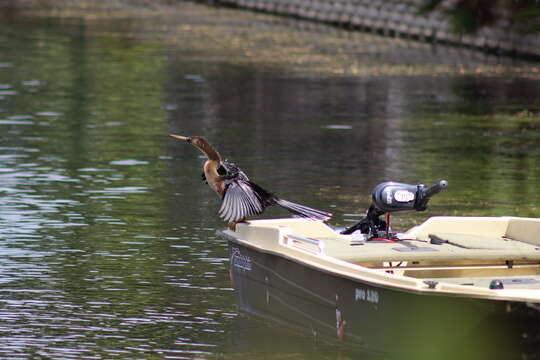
{"points": [[128, 162]]}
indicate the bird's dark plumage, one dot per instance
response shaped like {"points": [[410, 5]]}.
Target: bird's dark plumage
{"points": [[241, 197]]}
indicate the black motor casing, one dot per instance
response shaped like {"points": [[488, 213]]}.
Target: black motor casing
{"points": [[392, 196]]}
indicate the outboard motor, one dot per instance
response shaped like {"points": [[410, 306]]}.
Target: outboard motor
{"points": [[389, 197]]}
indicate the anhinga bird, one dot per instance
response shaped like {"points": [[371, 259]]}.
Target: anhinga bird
{"points": [[240, 196]]}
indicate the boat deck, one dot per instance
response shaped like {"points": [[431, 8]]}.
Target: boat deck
{"points": [[460, 259], [454, 247]]}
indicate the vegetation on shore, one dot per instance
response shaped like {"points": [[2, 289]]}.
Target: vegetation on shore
{"points": [[469, 16], [466, 16]]}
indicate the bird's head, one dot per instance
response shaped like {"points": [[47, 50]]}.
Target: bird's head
{"points": [[197, 141], [200, 143]]}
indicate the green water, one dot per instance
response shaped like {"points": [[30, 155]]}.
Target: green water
{"points": [[108, 243]]}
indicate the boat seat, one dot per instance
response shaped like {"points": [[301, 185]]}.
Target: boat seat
{"points": [[526, 230]]}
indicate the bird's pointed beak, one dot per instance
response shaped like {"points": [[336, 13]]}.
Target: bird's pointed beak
{"points": [[184, 138]]}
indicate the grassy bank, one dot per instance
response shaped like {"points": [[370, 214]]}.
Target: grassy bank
{"points": [[85, 8]]}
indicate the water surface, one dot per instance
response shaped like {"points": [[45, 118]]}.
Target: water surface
{"points": [[108, 239]]}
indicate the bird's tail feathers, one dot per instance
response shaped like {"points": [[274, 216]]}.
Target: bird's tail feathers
{"points": [[304, 211]]}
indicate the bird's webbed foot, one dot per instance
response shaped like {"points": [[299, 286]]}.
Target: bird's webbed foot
{"points": [[232, 225]]}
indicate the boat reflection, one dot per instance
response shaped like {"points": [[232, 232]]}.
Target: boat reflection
{"points": [[358, 321]]}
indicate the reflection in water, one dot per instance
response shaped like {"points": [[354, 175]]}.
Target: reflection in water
{"points": [[108, 248]]}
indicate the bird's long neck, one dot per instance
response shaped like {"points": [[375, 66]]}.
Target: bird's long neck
{"points": [[211, 167], [209, 151]]}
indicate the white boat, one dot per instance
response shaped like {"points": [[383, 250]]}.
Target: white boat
{"points": [[449, 273], [483, 257]]}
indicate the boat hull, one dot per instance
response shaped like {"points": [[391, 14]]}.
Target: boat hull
{"points": [[375, 318]]}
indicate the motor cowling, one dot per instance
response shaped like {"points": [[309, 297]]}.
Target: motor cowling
{"points": [[392, 196]]}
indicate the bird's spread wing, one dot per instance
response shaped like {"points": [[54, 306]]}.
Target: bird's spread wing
{"points": [[240, 201], [230, 170]]}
